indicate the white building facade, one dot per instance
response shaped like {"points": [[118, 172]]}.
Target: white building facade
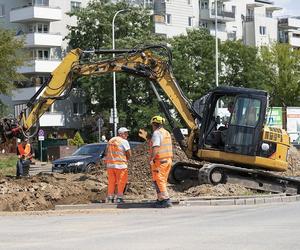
{"points": [[43, 25], [249, 20], [289, 31]]}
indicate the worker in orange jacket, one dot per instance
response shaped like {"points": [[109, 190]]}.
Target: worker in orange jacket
{"points": [[25, 155], [161, 155], [116, 158]]}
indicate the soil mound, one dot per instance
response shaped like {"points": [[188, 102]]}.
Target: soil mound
{"points": [[44, 191]]}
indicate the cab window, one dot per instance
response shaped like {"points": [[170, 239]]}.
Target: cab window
{"points": [[246, 112]]}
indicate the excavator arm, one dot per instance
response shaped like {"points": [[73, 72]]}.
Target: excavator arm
{"points": [[139, 62]]}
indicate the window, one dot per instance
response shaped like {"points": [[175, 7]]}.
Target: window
{"points": [[75, 5], [262, 30], [246, 112], [78, 108], [233, 9], [204, 4], [250, 12], [296, 35], [168, 18], [38, 27], [41, 2], [269, 13], [203, 24], [40, 54], [190, 21], [2, 10], [43, 54]]}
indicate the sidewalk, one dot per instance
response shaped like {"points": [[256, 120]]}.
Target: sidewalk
{"points": [[40, 167]]}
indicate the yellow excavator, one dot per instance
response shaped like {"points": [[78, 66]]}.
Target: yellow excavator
{"points": [[241, 149]]}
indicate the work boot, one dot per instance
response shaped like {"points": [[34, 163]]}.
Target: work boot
{"points": [[163, 203], [110, 199], [120, 200]]}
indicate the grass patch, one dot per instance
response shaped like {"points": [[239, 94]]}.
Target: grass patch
{"points": [[8, 164]]}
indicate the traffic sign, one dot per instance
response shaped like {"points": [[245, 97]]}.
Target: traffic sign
{"points": [[41, 138], [41, 132]]}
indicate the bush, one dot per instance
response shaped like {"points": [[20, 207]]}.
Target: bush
{"points": [[77, 140]]}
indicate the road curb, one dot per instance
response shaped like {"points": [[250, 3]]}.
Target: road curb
{"points": [[254, 200], [202, 201]]}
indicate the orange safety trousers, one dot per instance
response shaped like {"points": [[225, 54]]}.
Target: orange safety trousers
{"points": [[160, 170], [119, 178]]}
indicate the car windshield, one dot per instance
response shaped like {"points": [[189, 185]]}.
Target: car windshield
{"points": [[90, 150]]}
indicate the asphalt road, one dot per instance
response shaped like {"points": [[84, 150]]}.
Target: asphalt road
{"points": [[269, 226]]}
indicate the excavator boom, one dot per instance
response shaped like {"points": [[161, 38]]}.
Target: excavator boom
{"points": [[138, 62]]}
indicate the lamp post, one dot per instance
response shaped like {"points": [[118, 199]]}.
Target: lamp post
{"points": [[115, 117], [217, 45]]}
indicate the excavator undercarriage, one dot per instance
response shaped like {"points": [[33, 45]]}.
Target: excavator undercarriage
{"points": [[215, 173]]}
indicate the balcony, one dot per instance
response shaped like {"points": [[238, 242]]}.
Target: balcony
{"points": [[23, 94], [295, 41], [42, 40], [35, 13], [39, 66], [52, 119], [289, 23], [209, 14]]}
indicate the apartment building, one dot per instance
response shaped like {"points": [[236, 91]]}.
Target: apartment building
{"points": [[289, 31], [249, 20], [43, 25]]}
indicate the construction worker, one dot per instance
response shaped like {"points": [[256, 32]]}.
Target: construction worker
{"points": [[161, 154], [25, 155], [116, 158]]}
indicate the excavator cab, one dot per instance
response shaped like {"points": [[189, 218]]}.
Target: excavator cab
{"points": [[231, 120]]}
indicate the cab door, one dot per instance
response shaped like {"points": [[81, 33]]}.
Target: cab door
{"points": [[244, 132]]}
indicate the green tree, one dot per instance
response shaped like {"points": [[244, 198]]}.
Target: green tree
{"points": [[194, 62], [241, 65], [77, 140], [135, 101], [282, 68], [11, 57]]}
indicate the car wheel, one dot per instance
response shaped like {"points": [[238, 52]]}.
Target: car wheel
{"points": [[90, 167]]}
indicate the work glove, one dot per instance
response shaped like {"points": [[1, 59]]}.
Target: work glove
{"points": [[144, 134]]}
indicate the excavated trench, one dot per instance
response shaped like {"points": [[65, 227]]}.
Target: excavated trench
{"points": [[44, 191]]}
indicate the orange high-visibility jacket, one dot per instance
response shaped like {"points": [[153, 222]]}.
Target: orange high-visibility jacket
{"points": [[165, 150], [115, 153], [24, 151]]}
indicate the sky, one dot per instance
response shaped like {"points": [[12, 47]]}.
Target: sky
{"points": [[290, 7]]}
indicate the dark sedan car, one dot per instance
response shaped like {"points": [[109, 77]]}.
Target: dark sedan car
{"points": [[83, 159]]}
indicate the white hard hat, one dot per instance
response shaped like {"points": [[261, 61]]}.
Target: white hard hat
{"points": [[122, 130]]}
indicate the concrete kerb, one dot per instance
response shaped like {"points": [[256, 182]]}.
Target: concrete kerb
{"points": [[241, 200], [203, 201]]}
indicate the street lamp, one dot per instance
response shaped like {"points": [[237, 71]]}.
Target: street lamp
{"points": [[114, 75], [216, 39]]}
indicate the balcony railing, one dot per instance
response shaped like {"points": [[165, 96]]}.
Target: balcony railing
{"points": [[223, 14], [28, 13], [35, 5], [249, 18]]}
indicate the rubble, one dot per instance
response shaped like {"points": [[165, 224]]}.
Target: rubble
{"points": [[44, 191]]}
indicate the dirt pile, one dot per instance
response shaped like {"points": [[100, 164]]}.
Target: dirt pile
{"points": [[294, 162], [44, 191]]}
